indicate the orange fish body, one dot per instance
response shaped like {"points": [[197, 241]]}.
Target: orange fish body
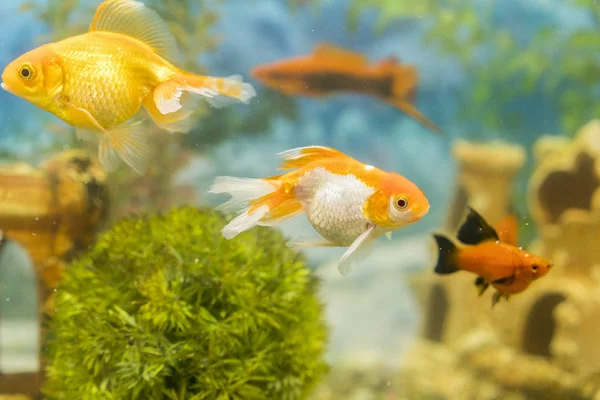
{"points": [[100, 80], [509, 269], [350, 204], [332, 70]]}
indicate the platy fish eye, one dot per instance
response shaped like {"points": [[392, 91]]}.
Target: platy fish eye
{"points": [[26, 72]]}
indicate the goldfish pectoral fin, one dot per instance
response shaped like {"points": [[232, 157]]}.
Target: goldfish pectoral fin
{"points": [[446, 263], [475, 229], [413, 112], [300, 243], [134, 19], [109, 158], [357, 250], [388, 235], [82, 117], [177, 121], [131, 142]]}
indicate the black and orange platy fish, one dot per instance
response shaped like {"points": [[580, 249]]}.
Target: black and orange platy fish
{"points": [[508, 268], [331, 70]]}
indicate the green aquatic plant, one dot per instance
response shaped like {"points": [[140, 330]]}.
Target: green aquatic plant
{"points": [[506, 70], [163, 307]]}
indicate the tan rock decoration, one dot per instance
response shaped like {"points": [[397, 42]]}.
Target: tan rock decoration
{"points": [[543, 343], [53, 212]]}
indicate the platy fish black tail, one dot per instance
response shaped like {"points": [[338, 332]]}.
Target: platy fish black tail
{"points": [[447, 250]]}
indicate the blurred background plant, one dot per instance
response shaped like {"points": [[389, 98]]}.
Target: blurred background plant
{"points": [[191, 22], [508, 66]]}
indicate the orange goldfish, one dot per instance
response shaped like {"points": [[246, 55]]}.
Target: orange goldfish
{"points": [[100, 80], [350, 204], [330, 70], [508, 268]]}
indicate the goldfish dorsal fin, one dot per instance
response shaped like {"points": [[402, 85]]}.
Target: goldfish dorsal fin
{"points": [[132, 18], [329, 51], [299, 157]]}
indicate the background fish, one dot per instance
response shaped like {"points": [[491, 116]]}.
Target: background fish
{"points": [[330, 70], [99, 81], [350, 204], [508, 268]]}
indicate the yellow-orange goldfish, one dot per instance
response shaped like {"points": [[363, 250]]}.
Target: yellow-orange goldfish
{"points": [[350, 204], [509, 269], [99, 81]]}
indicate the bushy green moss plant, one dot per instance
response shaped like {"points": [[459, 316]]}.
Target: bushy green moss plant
{"points": [[163, 307]]}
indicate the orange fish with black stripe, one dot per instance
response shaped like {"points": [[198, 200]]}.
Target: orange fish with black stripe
{"points": [[494, 258], [331, 70], [349, 203]]}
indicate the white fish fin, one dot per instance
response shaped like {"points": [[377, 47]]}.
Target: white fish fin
{"points": [[176, 121], [388, 235], [242, 190], [356, 250], [244, 221], [109, 158], [130, 141], [304, 243], [133, 18], [219, 92], [301, 156]]}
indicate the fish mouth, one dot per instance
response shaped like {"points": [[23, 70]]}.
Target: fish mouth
{"points": [[5, 87]]}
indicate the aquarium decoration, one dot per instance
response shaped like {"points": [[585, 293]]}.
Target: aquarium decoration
{"points": [[163, 307], [546, 341], [53, 212]]}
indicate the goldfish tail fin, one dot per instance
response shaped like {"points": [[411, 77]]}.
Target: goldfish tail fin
{"points": [[173, 101], [301, 156], [130, 141], [475, 229], [259, 202], [446, 263]]}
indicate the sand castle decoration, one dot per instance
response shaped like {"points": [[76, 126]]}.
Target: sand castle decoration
{"points": [[543, 343], [52, 212]]}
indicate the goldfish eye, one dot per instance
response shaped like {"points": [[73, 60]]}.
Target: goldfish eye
{"points": [[401, 203], [534, 268], [27, 72]]}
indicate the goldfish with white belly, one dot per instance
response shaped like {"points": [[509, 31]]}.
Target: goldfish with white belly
{"points": [[98, 81], [350, 204]]}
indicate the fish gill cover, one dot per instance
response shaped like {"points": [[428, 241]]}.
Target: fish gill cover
{"points": [[164, 307]]}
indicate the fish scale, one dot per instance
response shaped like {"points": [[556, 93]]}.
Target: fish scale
{"points": [[334, 204], [107, 75]]}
